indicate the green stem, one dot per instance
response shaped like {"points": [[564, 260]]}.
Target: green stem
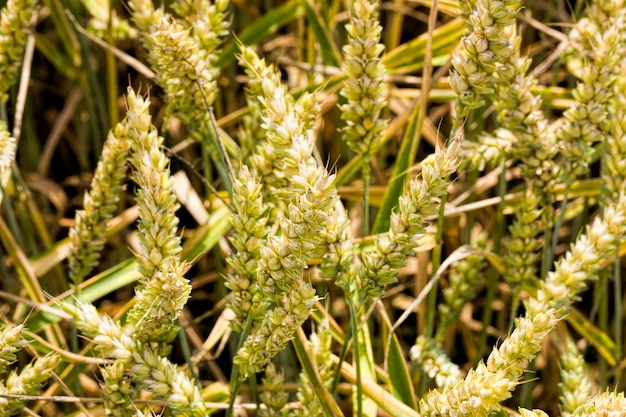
{"points": [[603, 323], [235, 382], [528, 386], [559, 221], [493, 273], [221, 160], [207, 169], [367, 174], [617, 298], [254, 389], [111, 73], [218, 151], [3, 112], [546, 255], [342, 357], [472, 176], [436, 263], [357, 359], [515, 300], [328, 404], [184, 346]]}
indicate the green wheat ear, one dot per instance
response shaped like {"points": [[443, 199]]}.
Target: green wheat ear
{"points": [[99, 204], [158, 223], [250, 224], [576, 388], [15, 22], [11, 342], [485, 387], [364, 89], [147, 362], [434, 362], [605, 404], [532, 413], [163, 290], [183, 52], [302, 206], [274, 395], [29, 381], [418, 202]]}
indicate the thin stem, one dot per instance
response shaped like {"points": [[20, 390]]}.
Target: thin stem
{"points": [[546, 256], [222, 162], [528, 386], [111, 72], [367, 174], [328, 404], [184, 346], [617, 298], [357, 359], [472, 176], [493, 273], [224, 166], [235, 382], [254, 389], [515, 300], [342, 357], [559, 221], [3, 111], [603, 323], [436, 263]]}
